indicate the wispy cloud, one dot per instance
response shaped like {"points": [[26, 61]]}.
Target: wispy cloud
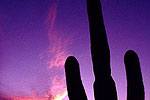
{"points": [[58, 89], [56, 53]]}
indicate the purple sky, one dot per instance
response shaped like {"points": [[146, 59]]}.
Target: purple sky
{"points": [[36, 36]]}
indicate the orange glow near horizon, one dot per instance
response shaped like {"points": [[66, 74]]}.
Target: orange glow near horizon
{"points": [[30, 99], [57, 97], [61, 96]]}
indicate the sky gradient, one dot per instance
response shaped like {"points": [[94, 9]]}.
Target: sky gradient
{"points": [[36, 36]]}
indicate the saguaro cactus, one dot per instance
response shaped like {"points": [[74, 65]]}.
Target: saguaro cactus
{"points": [[104, 85]]}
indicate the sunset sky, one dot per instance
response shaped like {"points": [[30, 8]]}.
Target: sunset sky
{"points": [[36, 36]]}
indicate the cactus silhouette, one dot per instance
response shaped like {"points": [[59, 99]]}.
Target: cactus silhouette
{"points": [[135, 87], [104, 85]]}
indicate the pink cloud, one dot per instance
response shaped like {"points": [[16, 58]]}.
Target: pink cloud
{"points": [[58, 89], [56, 54]]}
